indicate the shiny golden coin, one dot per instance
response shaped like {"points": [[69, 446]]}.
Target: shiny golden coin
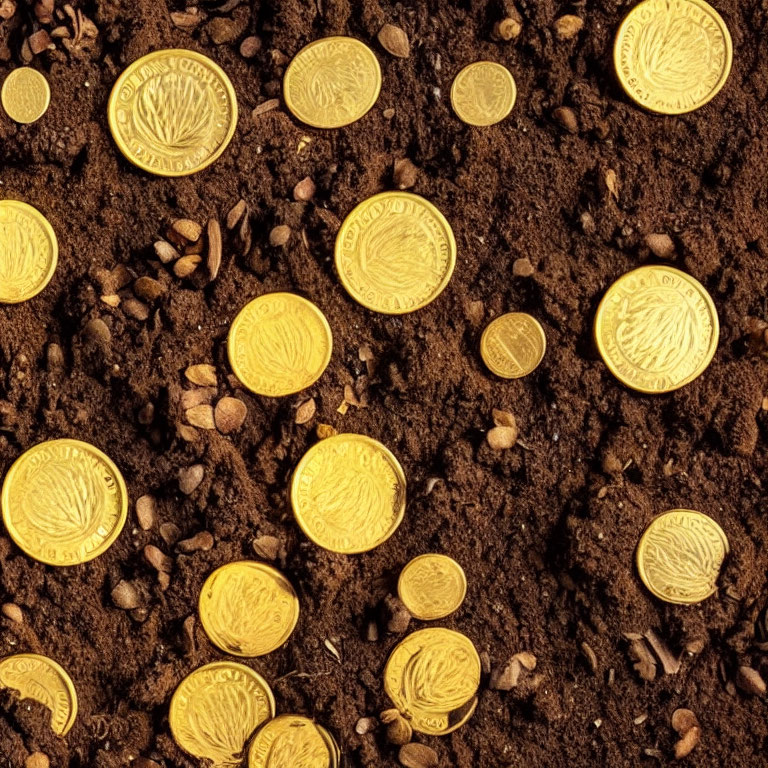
{"points": [[348, 493], [432, 677], [395, 253], [483, 93], [172, 112], [332, 82], [279, 344], [432, 586], [672, 56], [656, 329], [25, 95], [292, 741], [513, 345], [216, 709]]}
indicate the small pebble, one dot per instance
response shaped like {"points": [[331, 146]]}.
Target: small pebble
{"points": [[683, 720], [200, 542], [304, 190], [97, 330], [504, 678], [136, 309], [126, 596], [37, 760], [166, 252], [305, 411], [661, 245], [750, 681], [170, 533], [267, 547], [145, 512], [568, 26], [365, 725], [507, 29], [396, 617], [399, 730], [222, 30], [186, 265], [148, 288], [157, 558], [144, 762], [500, 438], [566, 117], [687, 743], [198, 396], [201, 416], [405, 173], [202, 374], [417, 756], [279, 235], [394, 41], [250, 47], [8, 8], [190, 478], [187, 229], [39, 41], [236, 213], [13, 612], [229, 415], [265, 106], [522, 268]]}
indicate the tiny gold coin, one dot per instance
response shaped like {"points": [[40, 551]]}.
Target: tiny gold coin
{"points": [[292, 741], [656, 329], [25, 95], [332, 82], [43, 680], [64, 502], [672, 56], [248, 608], [395, 253], [432, 586], [216, 709], [172, 112], [483, 93], [513, 345], [348, 493], [279, 344], [432, 677]]}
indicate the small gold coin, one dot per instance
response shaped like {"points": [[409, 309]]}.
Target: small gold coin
{"points": [[672, 56], [64, 502], [432, 586], [43, 680], [432, 677], [513, 345], [25, 95], [348, 493], [395, 253], [332, 82], [172, 112], [248, 608], [483, 93], [279, 344], [292, 741]]}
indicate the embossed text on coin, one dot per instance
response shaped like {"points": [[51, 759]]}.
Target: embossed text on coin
{"points": [[513, 345], [483, 93]]}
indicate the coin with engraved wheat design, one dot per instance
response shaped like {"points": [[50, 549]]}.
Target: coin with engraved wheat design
{"points": [[64, 502], [656, 329], [279, 344], [172, 112], [432, 586], [348, 493], [680, 554], [291, 741], [43, 680], [513, 345], [248, 608], [432, 678], [483, 93], [216, 709], [395, 253], [672, 56], [332, 82], [25, 95]]}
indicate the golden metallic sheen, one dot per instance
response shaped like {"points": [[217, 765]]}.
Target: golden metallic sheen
{"points": [[656, 329], [395, 253], [432, 586], [672, 56], [292, 741], [348, 493], [172, 112], [25, 95], [483, 93], [513, 345], [64, 502]]}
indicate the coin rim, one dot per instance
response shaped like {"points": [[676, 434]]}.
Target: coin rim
{"points": [[323, 732], [432, 556], [484, 343], [46, 87], [477, 65]]}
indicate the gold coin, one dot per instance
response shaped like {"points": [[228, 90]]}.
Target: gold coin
{"points": [[395, 253], [513, 345], [672, 56], [64, 502], [656, 329], [483, 93], [172, 112], [292, 741], [248, 608], [279, 344], [25, 95], [29, 251], [332, 82], [432, 677], [348, 493], [43, 680], [216, 709], [432, 586]]}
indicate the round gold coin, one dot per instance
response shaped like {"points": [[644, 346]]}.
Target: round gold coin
{"points": [[348, 493], [64, 502], [432, 586], [292, 741], [172, 112], [279, 344], [43, 680], [672, 56], [483, 93], [513, 345], [395, 253], [332, 82], [656, 329], [432, 677], [25, 95]]}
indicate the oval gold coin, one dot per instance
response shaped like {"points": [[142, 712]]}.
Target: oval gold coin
{"points": [[656, 329], [25, 95], [672, 56], [64, 502], [395, 253], [513, 345], [279, 344], [332, 82], [348, 493], [680, 554], [172, 112], [291, 741], [483, 93], [432, 586], [43, 680]]}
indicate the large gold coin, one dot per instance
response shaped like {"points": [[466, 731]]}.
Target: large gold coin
{"points": [[395, 253], [432, 586], [483, 93], [680, 554], [513, 345], [348, 493], [292, 741], [432, 677], [29, 251], [25, 95], [656, 329], [172, 112], [64, 502], [248, 608], [279, 344], [672, 56], [216, 709], [43, 680], [332, 82]]}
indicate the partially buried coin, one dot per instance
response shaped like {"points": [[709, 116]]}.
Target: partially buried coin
{"points": [[513, 345], [483, 93], [292, 741], [25, 95], [432, 586]]}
